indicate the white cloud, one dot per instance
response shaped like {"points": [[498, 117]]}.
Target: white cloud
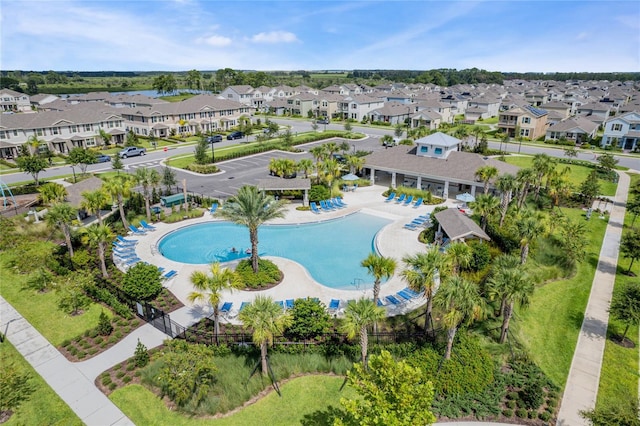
{"points": [[215, 40], [274, 37]]}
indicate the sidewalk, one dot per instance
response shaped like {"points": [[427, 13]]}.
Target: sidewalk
{"points": [[75, 388], [581, 389]]}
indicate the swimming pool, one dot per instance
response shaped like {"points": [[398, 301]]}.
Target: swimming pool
{"points": [[331, 250]]}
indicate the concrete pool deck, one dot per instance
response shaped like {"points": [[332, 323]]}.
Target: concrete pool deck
{"points": [[392, 241]]}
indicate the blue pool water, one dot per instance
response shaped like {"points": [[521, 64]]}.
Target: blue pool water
{"points": [[331, 251]]}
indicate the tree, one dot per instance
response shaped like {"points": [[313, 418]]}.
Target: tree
{"points": [[571, 152], [81, 157], [116, 163], [633, 207], [398, 130], [543, 165], [149, 179], [71, 287], [193, 79], [512, 286], [422, 270], [32, 164], [529, 225], [559, 185], [381, 268], [621, 412], [209, 287], [165, 83], [106, 137], [16, 387], [355, 163], [266, 319], [607, 162], [625, 306], [485, 174], [140, 355], [93, 201], [630, 247], [358, 315], [347, 126], [98, 236], [200, 153], [52, 192], [329, 170], [392, 393], [386, 140], [590, 188], [119, 187], [525, 178], [305, 165], [506, 184], [309, 320], [60, 216], [251, 207], [461, 304], [459, 256], [485, 206], [142, 282], [168, 179]]}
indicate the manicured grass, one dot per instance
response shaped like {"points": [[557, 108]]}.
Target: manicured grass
{"points": [[301, 397], [41, 309], [44, 406], [549, 328], [577, 175], [619, 375]]}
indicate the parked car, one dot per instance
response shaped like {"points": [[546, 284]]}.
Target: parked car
{"points": [[102, 158], [322, 121], [214, 139], [132, 151], [340, 158], [235, 135]]}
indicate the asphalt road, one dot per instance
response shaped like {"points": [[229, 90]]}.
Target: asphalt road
{"points": [[249, 170]]}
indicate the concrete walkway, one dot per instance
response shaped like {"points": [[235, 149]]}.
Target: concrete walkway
{"points": [[68, 381], [581, 389]]}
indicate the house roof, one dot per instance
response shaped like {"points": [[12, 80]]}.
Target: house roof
{"points": [[439, 139], [74, 192], [573, 123], [275, 184], [458, 226]]}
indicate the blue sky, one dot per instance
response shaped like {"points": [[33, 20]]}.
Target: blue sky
{"points": [[177, 35]]}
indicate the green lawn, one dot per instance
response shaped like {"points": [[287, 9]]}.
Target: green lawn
{"points": [[41, 309], [549, 328], [44, 406], [577, 175], [619, 375], [301, 397]]}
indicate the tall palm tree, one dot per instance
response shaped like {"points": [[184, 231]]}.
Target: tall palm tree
{"points": [[380, 268], [355, 163], [459, 256], [60, 216], [98, 236], [485, 174], [266, 318], [331, 148], [209, 287], [524, 177], [461, 303], [511, 285], [506, 184], [358, 315], [318, 152], [543, 165], [92, 202], [329, 170], [485, 206], [251, 208], [503, 262], [559, 185], [149, 179], [422, 269], [305, 165], [529, 225], [119, 188]]}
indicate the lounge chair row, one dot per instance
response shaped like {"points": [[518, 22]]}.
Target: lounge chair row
{"points": [[327, 205], [144, 227], [420, 221], [404, 200], [405, 295]]}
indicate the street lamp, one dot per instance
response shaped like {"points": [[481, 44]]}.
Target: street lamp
{"points": [[408, 120], [213, 155]]}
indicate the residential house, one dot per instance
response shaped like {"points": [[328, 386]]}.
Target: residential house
{"points": [[358, 106], [576, 129], [12, 101], [392, 113], [531, 122], [596, 111], [622, 131], [42, 99], [241, 93]]}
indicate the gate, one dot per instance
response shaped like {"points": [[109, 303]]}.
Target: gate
{"points": [[159, 320]]}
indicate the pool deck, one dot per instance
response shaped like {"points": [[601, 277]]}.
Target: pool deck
{"points": [[392, 241]]}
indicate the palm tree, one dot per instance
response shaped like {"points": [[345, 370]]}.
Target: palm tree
{"points": [[305, 165], [98, 236], [210, 286], [60, 216], [319, 153], [542, 166], [485, 174], [559, 185], [251, 208], [92, 202], [331, 148], [329, 170], [506, 185], [524, 177], [355, 163], [266, 318], [459, 256], [461, 303], [511, 285], [119, 187], [358, 315], [420, 274], [380, 268], [148, 179], [52, 192], [503, 262], [485, 206], [529, 225]]}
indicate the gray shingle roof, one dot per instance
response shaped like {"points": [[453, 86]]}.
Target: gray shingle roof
{"points": [[457, 225]]}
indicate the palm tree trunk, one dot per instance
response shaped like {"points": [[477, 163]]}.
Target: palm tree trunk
{"points": [[364, 345], [122, 216], [451, 334], [263, 357], [508, 310], [67, 239], [103, 265], [147, 205], [427, 314], [216, 322], [524, 253], [99, 216], [253, 234], [486, 187]]}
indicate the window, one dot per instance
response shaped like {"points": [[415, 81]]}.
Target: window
{"points": [[616, 127], [526, 120], [424, 149], [87, 127], [55, 131], [3, 134], [90, 142], [524, 132], [438, 151], [38, 132]]}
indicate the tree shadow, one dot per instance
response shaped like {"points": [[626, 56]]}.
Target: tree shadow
{"points": [[322, 417]]}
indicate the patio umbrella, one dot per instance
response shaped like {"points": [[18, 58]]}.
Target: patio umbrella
{"points": [[350, 176], [465, 198]]}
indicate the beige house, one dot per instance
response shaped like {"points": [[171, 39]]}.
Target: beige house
{"points": [[13, 101], [530, 121], [576, 129]]}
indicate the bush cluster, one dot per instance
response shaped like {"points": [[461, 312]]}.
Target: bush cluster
{"points": [[268, 273], [204, 169]]}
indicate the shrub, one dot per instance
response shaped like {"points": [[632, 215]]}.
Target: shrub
{"points": [[522, 413], [106, 380], [319, 192], [507, 413], [310, 319], [544, 416], [112, 386], [511, 403], [268, 273], [120, 374], [551, 402], [104, 327], [142, 282], [126, 379], [202, 168], [141, 355]]}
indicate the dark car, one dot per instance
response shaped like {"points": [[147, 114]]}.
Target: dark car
{"points": [[103, 158], [214, 139], [322, 121], [235, 135]]}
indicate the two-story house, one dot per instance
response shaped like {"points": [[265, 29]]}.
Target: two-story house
{"points": [[530, 121], [241, 93], [359, 106], [622, 131], [13, 101]]}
